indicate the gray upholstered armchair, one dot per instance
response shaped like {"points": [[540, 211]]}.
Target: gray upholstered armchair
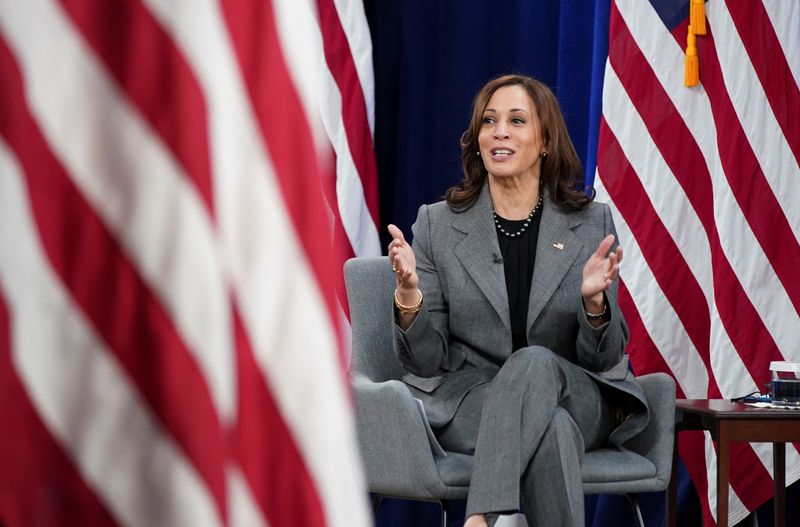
{"points": [[402, 461]]}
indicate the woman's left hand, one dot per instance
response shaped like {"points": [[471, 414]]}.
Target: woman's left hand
{"points": [[599, 273]]}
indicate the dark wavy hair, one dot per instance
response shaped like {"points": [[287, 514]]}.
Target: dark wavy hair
{"points": [[561, 171]]}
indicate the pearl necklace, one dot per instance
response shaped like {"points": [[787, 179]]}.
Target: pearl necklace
{"points": [[524, 225]]}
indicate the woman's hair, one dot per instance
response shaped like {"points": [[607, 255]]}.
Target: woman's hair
{"points": [[561, 171]]}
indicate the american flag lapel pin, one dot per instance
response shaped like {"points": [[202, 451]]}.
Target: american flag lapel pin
{"points": [[559, 246]]}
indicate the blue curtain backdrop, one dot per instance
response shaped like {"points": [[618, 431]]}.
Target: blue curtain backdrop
{"points": [[430, 58]]}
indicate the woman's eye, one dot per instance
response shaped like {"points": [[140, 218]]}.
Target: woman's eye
{"points": [[517, 120], [488, 120]]}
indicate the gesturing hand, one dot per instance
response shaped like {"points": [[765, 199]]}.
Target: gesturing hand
{"points": [[600, 271], [404, 264]]}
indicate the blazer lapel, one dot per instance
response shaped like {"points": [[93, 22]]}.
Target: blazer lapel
{"points": [[479, 253], [556, 251]]}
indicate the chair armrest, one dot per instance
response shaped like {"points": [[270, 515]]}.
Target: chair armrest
{"points": [[393, 440], [656, 440]]}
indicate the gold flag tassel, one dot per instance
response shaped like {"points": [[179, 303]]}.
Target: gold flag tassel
{"points": [[692, 69], [697, 17]]}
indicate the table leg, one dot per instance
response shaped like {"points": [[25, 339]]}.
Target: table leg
{"points": [[779, 474], [723, 469], [672, 489]]}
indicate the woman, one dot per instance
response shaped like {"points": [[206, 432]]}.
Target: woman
{"points": [[506, 312]]}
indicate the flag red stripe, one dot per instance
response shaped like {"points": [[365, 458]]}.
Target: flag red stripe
{"points": [[39, 483], [746, 179], [751, 339], [136, 50], [354, 109], [767, 57], [691, 448], [659, 250], [265, 450], [643, 352], [124, 312], [341, 241], [252, 28]]}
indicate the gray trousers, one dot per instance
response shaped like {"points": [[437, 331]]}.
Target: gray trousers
{"points": [[529, 428]]}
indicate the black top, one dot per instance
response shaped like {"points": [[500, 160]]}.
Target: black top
{"points": [[519, 257]]}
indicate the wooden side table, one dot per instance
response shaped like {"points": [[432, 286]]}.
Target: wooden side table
{"points": [[731, 423]]}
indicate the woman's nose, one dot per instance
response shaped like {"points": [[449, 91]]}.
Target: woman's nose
{"points": [[501, 130]]}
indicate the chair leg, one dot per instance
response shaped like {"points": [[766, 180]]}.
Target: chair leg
{"points": [[445, 506], [376, 503], [637, 512]]}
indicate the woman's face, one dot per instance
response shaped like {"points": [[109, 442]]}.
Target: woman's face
{"points": [[510, 139]]}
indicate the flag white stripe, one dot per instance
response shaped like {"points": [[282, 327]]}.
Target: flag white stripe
{"points": [[764, 451], [785, 18], [762, 287], [354, 22], [66, 370], [736, 509], [131, 181], [666, 195], [770, 146], [290, 328], [353, 210], [657, 314], [243, 511], [297, 23]]}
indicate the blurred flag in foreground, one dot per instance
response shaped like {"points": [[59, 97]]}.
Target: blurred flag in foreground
{"points": [[704, 186], [170, 341]]}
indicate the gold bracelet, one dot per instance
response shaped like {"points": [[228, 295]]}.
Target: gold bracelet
{"points": [[408, 310], [597, 316]]}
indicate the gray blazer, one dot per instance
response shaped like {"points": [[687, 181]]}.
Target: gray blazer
{"points": [[462, 335]]}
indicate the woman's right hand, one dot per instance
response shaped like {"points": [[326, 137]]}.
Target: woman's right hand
{"points": [[404, 265]]}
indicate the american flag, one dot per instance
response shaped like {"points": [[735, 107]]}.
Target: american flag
{"points": [[171, 349], [703, 182]]}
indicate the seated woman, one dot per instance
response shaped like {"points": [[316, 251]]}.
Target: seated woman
{"points": [[506, 312]]}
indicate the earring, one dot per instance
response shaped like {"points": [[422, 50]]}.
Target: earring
{"points": [[478, 153], [543, 154]]}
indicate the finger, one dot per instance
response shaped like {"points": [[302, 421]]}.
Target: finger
{"points": [[604, 246], [614, 271], [396, 233], [396, 261], [619, 254], [612, 260], [401, 279], [397, 267]]}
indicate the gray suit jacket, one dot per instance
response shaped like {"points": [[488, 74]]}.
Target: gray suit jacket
{"points": [[462, 335]]}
